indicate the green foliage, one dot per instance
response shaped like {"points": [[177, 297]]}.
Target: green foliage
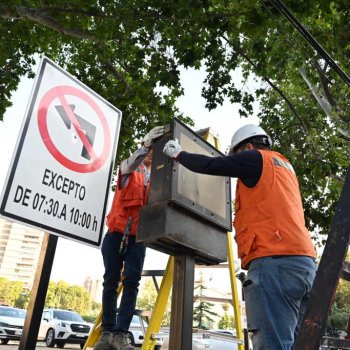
{"points": [[95, 309], [146, 300], [342, 297], [59, 295], [147, 296], [203, 316], [131, 53], [340, 311], [227, 321], [23, 299], [338, 319], [70, 297], [89, 318], [13, 293]]}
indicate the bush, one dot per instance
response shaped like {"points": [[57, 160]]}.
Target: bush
{"points": [[89, 318]]}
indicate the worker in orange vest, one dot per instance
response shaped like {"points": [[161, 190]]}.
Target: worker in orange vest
{"points": [[119, 249], [273, 243]]}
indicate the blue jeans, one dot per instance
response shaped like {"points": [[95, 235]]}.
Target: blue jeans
{"points": [[133, 259], [276, 292]]}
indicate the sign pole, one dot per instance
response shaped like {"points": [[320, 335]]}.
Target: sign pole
{"points": [[38, 293], [182, 303]]}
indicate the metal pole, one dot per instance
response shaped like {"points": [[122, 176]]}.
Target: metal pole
{"points": [[280, 6], [38, 293], [159, 306], [182, 304]]}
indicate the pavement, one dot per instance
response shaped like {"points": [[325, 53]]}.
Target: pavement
{"points": [[13, 345]]}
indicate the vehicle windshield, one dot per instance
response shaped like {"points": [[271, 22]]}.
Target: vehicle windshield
{"points": [[9, 312], [135, 322], [67, 316]]}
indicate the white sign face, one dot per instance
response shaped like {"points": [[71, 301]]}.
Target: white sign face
{"points": [[62, 167]]}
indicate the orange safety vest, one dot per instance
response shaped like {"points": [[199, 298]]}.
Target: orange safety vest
{"points": [[269, 218], [127, 202]]}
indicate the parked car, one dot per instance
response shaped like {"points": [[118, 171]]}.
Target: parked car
{"points": [[197, 343], [59, 327], [224, 331], [11, 323], [210, 340], [222, 339], [138, 328]]}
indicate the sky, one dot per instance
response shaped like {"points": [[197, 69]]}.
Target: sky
{"points": [[74, 261]]}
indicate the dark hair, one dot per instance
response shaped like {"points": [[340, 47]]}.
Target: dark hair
{"points": [[259, 142]]}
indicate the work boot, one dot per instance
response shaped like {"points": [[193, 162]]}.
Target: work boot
{"points": [[121, 341], [104, 341]]}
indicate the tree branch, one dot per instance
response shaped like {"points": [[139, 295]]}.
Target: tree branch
{"points": [[274, 87], [290, 105], [37, 16], [324, 104], [93, 13], [40, 17], [324, 82], [119, 76]]}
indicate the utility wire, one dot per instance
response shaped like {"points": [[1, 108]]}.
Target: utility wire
{"points": [[334, 81], [281, 7]]}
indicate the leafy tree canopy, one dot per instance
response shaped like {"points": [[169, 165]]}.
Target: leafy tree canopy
{"points": [[146, 300], [71, 297], [13, 293], [227, 321], [131, 53]]}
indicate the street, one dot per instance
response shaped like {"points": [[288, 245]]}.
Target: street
{"points": [[13, 345]]}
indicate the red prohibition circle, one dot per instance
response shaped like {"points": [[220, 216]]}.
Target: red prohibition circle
{"points": [[60, 92]]}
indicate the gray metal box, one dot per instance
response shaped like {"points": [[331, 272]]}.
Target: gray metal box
{"points": [[187, 213]]}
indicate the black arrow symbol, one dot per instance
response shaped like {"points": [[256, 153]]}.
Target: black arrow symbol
{"points": [[90, 129]]}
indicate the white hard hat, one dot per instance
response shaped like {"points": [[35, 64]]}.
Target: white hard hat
{"points": [[246, 132]]}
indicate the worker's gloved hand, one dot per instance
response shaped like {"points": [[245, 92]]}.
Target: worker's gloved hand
{"points": [[172, 148], [152, 135]]}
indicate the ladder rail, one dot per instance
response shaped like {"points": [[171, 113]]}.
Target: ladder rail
{"points": [[328, 274], [234, 291], [159, 307], [97, 328]]}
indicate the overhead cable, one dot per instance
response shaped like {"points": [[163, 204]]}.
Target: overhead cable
{"points": [[281, 7]]}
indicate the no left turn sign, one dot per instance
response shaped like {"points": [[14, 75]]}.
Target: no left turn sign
{"points": [[60, 174], [62, 93]]}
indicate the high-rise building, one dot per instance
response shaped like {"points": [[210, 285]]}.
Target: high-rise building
{"points": [[19, 251], [94, 288]]}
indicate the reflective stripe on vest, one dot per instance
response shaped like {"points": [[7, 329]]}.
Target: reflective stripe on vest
{"points": [[269, 218]]}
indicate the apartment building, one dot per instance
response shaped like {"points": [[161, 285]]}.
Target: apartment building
{"points": [[94, 288], [19, 251]]}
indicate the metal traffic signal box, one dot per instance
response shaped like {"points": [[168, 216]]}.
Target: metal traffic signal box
{"points": [[187, 213]]}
